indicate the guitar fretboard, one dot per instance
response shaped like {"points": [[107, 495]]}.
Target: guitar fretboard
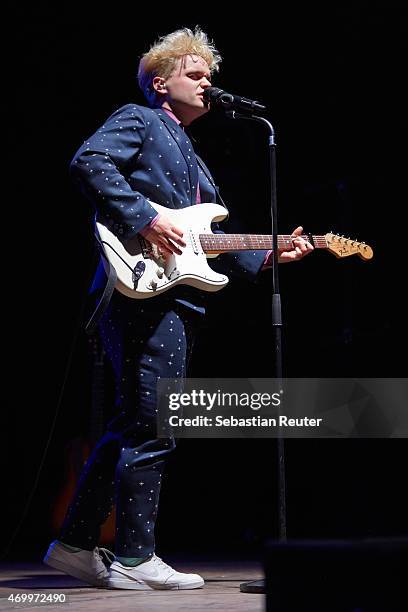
{"points": [[219, 243]]}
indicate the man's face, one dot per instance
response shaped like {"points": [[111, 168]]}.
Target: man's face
{"points": [[184, 88]]}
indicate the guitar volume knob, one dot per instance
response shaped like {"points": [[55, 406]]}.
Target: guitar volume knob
{"points": [[160, 272]]}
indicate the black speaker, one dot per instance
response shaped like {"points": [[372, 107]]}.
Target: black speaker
{"points": [[337, 575]]}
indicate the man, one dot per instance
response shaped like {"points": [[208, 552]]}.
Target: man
{"points": [[142, 155]]}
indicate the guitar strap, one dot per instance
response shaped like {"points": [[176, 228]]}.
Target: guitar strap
{"points": [[103, 303], [210, 178]]}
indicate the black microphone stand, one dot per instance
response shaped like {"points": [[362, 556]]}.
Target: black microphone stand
{"points": [[258, 586]]}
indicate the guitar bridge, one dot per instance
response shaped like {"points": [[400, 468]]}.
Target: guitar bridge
{"points": [[150, 251], [146, 248]]}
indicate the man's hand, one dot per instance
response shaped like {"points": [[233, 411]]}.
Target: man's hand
{"points": [[166, 236], [301, 247]]}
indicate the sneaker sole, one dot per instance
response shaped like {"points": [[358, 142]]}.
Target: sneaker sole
{"points": [[116, 583], [76, 572]]}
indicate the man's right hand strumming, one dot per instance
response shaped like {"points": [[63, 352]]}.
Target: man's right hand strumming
{"points": [[165, 235]]}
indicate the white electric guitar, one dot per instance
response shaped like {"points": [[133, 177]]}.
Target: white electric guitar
{"points": [[142, 272]]}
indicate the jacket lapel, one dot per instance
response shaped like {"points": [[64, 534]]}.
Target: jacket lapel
{"points": [[186, 148]]}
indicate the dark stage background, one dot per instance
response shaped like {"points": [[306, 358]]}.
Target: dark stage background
{"points": [[332, 81]]}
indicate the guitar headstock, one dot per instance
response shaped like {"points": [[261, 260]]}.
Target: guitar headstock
{"points": [[344, 247]]}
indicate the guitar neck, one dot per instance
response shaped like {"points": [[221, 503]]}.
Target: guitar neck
{"points": [[214, 244]]}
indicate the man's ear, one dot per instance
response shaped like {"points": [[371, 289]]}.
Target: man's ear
{"points": [[159, 84]]}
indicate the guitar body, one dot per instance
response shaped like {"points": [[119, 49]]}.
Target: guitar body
{"points": [[143, 273]]}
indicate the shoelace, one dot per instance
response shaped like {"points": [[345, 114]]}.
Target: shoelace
{"points": [[164, 565], [105, 555]]}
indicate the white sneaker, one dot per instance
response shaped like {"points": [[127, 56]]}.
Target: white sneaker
{"points": [[87, 565], [149, 575]]}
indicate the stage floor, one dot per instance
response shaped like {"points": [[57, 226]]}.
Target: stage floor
{"points": [[220, 592]]}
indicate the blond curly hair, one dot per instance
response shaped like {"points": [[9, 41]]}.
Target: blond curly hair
{"points": [[162, 57]]}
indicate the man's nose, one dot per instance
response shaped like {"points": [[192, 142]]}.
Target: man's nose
{"points": [[205, 83]]}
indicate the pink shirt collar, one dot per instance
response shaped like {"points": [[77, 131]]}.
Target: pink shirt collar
{"points": [[171, 115]]}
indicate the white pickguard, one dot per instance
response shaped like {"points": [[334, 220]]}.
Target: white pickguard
{"points": [[159, 275]]}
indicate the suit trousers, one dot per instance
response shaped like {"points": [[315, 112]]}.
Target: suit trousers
{"points": [[145, 340]]}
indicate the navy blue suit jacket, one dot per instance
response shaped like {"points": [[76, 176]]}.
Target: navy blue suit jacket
{"points": [[141, 155]]}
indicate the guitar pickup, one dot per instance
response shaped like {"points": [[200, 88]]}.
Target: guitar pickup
{"points": [[194, 243]]}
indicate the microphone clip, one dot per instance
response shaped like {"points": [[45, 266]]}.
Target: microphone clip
{"points": [[219, 98]]}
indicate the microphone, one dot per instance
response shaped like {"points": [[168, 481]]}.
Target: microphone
{"points": [[219, 97]]}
